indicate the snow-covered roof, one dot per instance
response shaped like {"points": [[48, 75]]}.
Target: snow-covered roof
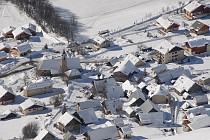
{"points": [[3, 91], [40, 84], [3, 54], [165, 22], [88, 115], [99, 39], [196, 111], [42, 134], [192, 6], [160, 68], [200, 123], [198, 42], [159, 90], [201, 99], [148, 105], [19, 31], [66, 118], [129, 110], [142, 85], [4, 45], [165, 47], [111, 82], [127, 85], [24, 47], [112, 105], [103, 133], [31, 102], [72, 72], [152, 117], [30, 26], [8, 29], [73, 63], [183, 83], [126, 130], [126, 67], [186, 105], [197, 25], [50, 64], [204, 77], [89, 104], [137, 93], [134, 59], [114, 92]]}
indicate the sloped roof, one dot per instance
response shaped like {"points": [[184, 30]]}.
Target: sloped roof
{"points": [[30, 102], [3, 54], [198, 42], [160, 90], [24, 47], [88, 115], [3, 90], [152, 117], [112, 105], [165, 47], [89, 104], [72, 72], [66, 118], [165, 22], [4, 45], [114, 92], [197, 25], [137, 93], [192, 6], [103, 133], [201, 99], [8, 29], [160, 68], [134, 59], [40, 84], [19, 31], [196, 110], [126, 130], [127, 85], [126, 67], [129, 110], [30, 26], [142, 85], [99, 39], [69, 136], [42, 134], [148, 105], [49, 64], [73, 63], [200, 123]]}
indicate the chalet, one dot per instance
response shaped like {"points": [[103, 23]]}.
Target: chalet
{"points": [[130, 112], [45, 135], [31, 27], [21, 33], [30, 106], [204, 79], [124, 70], [167, 25], [200, 100], [69, 136], [3, 56], [199, 28], [6, 96], [110, 132], [166, 52], [125, 132], [5, 47], [86, 116], [195, 10], [158, 69], [197, 46], [150, 118], [89, 104], [185, 84], [112, 106], [41, 86], [73, 74], [7, 31], [159, 95], [148, 106], [68, 122], [101, 42], [8, 114], [136, 61], [21, 50]]}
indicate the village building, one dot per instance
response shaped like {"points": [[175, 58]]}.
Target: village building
{"points": [[148, 106], [195, 10], [136, 61], [69, 136], [125, 132], [204, 79], [89, 104], [5, 47], [185, 84], [128, 86], [119, 122], [124, 70], [86, 116], [159, 95], [166, 52], [21, 33], [143, 87], [6, 96], [186, 105], [45, 135], [7, 31], [101, 42], [158, 69], [21, 50], [150, 118], [114, 92], [8, 114], [199, 28], [136, 98], [41, 86], [197, 46], [186, 96], [31, 106], [195, 111], [112, 107], [200, 100], [3, 56], [73, 74], [68, 122], [167, 25], [130, 112], [31, 27], [110, 132]]}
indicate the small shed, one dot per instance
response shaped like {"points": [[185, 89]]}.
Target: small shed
{"points": [[159, 95]]}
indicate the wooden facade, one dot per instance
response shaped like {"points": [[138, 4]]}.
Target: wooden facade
{"points": [[195, 50], [32, 109], [7, 98], [204, 29], [16, 52]]}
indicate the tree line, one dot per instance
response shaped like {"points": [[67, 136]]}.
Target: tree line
{"points": [[45, 15]]}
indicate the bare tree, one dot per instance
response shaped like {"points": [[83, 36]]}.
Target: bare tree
{"points": [[30, 131], [57, 100]]}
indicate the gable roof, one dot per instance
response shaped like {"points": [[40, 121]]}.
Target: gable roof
{"points": [[165, 22], [87, 115], [66, 118], [42, 134], [30, 26], [165, 47], [3, 54], [31, 102], [160, 68], [114, 92], [49, 64], [24, 47], [99, 39], [201, 99], [200, 123], [72, 72], [197, 25], [127, 85], [198, 42], [4, 45], [129, 110], [69, 136], [89, 104], [8, 29], [134, 59], [126, 130], [192, 6], [112, 105], [126, 67], [152, 117], [3, 91], [19, 31], [73, 63], [39, 84], [103, 133], [148, 105], [159, 90]]}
